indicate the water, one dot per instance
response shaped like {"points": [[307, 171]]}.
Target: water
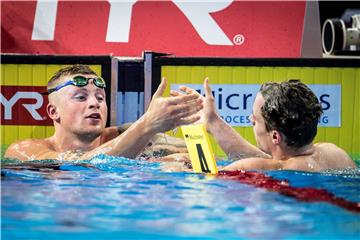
{"points": [[118, 198]]}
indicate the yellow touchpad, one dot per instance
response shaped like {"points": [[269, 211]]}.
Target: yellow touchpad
{"points": [[199, 148]]}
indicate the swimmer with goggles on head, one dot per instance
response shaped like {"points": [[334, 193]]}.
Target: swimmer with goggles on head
{"points": [[79, 81], [80, 118]]}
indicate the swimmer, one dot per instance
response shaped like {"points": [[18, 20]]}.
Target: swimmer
{"points": [[78, 109], [284, 117]]}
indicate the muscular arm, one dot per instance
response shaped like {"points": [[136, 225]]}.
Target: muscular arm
{"points": [[233, 144], [128, 144], [40, 149], [161, 139], [162, 115]]}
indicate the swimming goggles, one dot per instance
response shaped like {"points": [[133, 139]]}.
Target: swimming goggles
{"points": [[79, 81]]}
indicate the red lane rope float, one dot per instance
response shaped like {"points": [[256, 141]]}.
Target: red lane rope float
{"points": [[306, 194]]}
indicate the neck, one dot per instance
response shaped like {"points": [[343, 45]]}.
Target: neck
{"points": [[72, 142], [285, 152]]}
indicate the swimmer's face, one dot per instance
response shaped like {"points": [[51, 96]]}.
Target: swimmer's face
{"points": [[262, 136], [80, 110]]}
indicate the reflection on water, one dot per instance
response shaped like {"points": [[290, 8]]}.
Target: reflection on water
{"points": [[110, 198]]}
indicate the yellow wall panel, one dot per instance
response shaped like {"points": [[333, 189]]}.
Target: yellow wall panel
{"points": [[2, 72], [293, 72], [10, 74], [280, 73], [25, 76], [25, 132], [307, 75], [266, 74], [212, 73], [50, 70], [198, 72], [356, 126], [38, 131], [49, 130], [345, 135], [11, 134]]}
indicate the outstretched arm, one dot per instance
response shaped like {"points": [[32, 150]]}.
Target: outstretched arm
{"points": [[162, 115], [230, 141]]}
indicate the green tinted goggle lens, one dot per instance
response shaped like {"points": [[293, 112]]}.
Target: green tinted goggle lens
{"points": [[80, 81]]}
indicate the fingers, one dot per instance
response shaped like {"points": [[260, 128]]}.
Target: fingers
{"points": [[175, 93], [188, 90], [181, 98], [207, 88], [184, 90], [187, 120], [187, 113], [161, 89], [187, 109]]}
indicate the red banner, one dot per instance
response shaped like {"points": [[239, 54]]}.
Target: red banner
{"points": [[126, 28], [24, 105]]}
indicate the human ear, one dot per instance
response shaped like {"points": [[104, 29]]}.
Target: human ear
{"points": [[52, 112], [276, 137]]}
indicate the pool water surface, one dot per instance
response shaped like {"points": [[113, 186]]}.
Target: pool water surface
{"points": [[118, 198]]}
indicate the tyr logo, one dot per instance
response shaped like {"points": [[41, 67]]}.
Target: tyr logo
{"points": [[24, 105], [31, 108], [119, 21]]}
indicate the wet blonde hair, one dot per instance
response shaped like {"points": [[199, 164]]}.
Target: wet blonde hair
{"points": [[71, 70]]}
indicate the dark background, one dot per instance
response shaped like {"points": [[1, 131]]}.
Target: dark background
{"points": [[334, 9]]}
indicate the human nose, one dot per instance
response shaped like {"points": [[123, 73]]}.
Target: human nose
{"points": [[94, 102]]}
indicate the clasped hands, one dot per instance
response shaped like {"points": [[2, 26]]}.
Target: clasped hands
{"points": [[185, 107]]}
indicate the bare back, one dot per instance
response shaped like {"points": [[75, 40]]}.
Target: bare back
{"points": [[325, 156]]}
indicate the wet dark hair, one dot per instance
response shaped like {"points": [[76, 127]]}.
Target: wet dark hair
{"points": [[293, 109], [71, 70]]}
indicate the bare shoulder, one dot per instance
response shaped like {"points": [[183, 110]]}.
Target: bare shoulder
{"points": [[27, 149], [326, 145], [330, 149], [335, 156]]}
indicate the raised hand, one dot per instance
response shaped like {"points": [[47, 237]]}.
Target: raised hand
{"points": [[165, 113], [209, 112]]}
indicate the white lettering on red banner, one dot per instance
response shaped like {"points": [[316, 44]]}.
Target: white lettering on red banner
{"points": [[127, 28], [24, 105], [118, 29], [31, 108]]}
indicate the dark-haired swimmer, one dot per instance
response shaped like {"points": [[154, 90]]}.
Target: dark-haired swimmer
{"points": [[285, 117], [78, 109]]}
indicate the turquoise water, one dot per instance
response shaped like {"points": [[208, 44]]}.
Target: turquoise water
{"points": [[118, 198]]}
